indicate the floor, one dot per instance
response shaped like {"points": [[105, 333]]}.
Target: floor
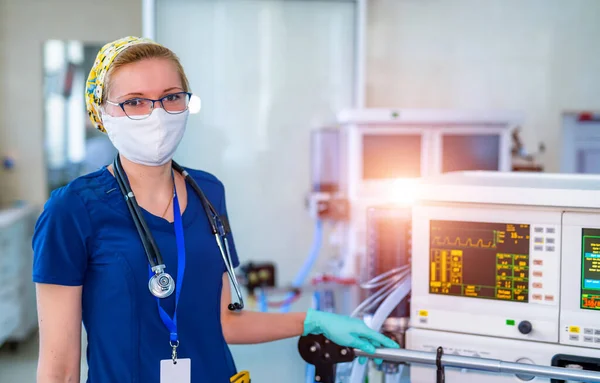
{"points": [[16, 367]]}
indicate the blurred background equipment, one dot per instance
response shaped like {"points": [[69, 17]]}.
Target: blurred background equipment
{"points": [[364, 174], [73, 147], [375, 156], [580, 137], [522, 160], [18, 314]]}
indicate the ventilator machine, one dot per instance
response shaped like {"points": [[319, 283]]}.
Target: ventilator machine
{"points": [[479, 273]]}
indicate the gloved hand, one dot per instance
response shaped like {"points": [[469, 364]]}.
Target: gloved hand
{"points": [[347, 332]]}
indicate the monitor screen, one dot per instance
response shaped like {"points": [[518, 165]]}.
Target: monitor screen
{"points": [[391, 156], [470, 152], [590, 269], [479, 260]]}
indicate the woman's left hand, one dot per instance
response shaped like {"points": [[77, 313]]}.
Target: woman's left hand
{"points": [[347, 332]]}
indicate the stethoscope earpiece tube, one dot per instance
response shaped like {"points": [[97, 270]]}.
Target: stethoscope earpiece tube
{"points": [[161, 284], [134, 216], [136, 210]]}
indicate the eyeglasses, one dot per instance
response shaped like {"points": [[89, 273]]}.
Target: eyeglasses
{"points": [[141, 108]]}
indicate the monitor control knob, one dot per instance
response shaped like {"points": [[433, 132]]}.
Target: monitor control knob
{"points": [[525, 327]]}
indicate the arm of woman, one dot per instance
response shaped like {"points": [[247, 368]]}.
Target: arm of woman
{"points": [[59, 317], [249, 327], [59, 264]]}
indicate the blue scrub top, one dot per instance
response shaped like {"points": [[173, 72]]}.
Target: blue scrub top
{"points": [[86, 237]]}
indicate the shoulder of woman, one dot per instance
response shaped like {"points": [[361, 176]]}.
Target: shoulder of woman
{"points": [[71, 198]]}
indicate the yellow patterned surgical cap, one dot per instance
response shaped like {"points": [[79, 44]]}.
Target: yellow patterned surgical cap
{"points": [[95, 82]]}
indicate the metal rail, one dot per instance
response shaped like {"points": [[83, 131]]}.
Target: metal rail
{"points": [[482, 364]]}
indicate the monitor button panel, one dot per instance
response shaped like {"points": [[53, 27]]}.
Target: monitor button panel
{"points": [[582, 336], [543, 268]]}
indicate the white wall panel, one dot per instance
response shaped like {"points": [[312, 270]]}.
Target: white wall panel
{"points": [[267, 72]]}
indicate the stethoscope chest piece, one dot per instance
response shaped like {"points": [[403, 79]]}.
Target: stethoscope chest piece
{"points": [[161, 285]]}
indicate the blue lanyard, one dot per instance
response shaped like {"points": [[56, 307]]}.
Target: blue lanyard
{"points": [[171, 323]]}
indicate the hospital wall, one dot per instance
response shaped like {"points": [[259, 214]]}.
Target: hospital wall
{"points": [[536, 56], [24, 27]]}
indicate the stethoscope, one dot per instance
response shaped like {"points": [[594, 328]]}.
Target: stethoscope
{"points": [[161, 284]]}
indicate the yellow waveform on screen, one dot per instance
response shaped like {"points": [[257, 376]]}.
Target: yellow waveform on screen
{"points": [[437, 241]]}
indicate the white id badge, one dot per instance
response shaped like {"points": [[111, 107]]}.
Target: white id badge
{"points": [[176, 373]]}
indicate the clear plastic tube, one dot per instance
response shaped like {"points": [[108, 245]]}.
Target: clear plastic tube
{"points": [[380, 295], [375, 298], [383, 278], [379, 299], [382, 313]]}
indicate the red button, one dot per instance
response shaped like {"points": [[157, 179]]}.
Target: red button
{"points": [[549, 298], [537, 285], [537, 274], [537, 297], [538, 262]]}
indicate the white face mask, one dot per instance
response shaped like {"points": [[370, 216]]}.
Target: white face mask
{"points": [[151, 141]]}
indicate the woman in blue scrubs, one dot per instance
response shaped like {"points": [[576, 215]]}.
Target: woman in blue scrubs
{"points": [[90, 265]]}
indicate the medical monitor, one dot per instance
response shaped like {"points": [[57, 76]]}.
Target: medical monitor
{"points": [[590, 269], [390, 156], [479, 260], [486, 270], [470, 152], [511, 255]]}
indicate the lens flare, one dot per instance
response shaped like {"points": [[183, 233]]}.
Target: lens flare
{"points": [[195, 104], [404, 191]]}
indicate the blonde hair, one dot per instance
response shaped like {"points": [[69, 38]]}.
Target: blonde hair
{"points": [[140, 52]]}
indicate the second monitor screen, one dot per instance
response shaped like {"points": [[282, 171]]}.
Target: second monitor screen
{"points": [[391, 156], [470, 152], [590, 269]]}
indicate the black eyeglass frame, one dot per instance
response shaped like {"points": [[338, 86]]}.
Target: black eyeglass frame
{"points": [[122, 104]]}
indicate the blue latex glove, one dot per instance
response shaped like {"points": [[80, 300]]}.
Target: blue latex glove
{"points": [[346, 332]]}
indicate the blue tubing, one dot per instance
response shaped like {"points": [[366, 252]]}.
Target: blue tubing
{"points": [[262, 302], [308, 264]]}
